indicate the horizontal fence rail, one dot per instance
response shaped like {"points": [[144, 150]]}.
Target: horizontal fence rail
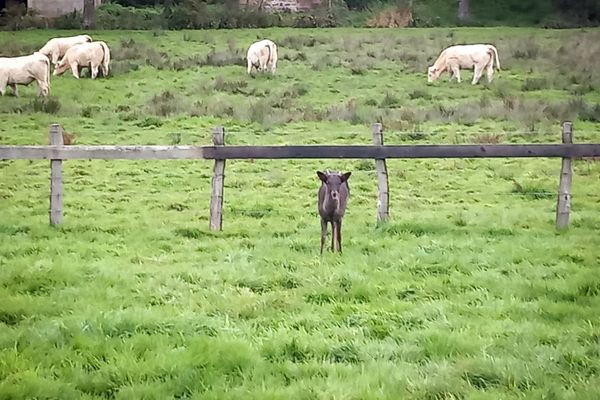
{"points": [[299, 152], [56, 152]]}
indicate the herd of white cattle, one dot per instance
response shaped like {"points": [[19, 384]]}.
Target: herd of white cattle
{"points": [[75, 52], [81, 51]]}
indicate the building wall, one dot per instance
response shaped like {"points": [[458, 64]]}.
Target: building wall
{"points": [[54, 8]]}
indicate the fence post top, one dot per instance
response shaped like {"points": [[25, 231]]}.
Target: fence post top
{"points": [[56, 135], [218, 136]]}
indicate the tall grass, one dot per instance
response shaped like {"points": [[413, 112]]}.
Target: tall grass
{"points": [[467, 292]]}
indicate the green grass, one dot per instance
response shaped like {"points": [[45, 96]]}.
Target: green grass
{"points": [[467, 293]]}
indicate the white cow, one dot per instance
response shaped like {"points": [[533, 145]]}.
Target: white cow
{"points": [[56, 48], [455, 58], [92, 55], [24, 70], [262, 56]]}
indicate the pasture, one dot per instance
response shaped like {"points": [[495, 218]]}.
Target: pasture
{"points": [[467, 293]]}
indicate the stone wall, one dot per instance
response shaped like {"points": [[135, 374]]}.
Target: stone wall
{"points": [[54, 8]]}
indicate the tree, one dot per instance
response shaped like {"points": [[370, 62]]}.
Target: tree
{"points": [[463, 10], [89, 14]]}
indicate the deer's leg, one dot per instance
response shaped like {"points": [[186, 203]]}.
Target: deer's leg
{"points": [[339, 235], [323, 233], [334, 230], [332, 235]]}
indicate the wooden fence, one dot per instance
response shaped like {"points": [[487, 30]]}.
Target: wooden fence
{"points": [[56, 152]]}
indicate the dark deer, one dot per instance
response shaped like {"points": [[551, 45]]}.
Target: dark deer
{"points": [[333, 196]]}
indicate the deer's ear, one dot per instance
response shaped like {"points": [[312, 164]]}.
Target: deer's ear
{"points": [[346, 176], [322, 176]]}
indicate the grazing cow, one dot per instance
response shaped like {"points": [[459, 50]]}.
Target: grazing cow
{"points": [[262, 56], [56, 48], [92, 55], [455, 58], [24, 70], [333, 196]]}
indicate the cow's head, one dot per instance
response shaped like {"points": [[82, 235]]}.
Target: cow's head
{"points": [[433, 73], [60, 68]]}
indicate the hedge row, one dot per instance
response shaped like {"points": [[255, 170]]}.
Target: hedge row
{"points": [[219, 14]]}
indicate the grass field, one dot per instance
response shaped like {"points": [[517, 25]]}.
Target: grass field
{"points": [[467, 293]]}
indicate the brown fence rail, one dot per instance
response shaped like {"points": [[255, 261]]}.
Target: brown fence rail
{"points": [[56, 152], [298, 152]]}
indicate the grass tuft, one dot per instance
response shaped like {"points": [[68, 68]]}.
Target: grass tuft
{"points": [[191, 233], [166, 104], [533, 192], [533, 84], [229, 86], [346, 353], [48, 105], [419, 94]]}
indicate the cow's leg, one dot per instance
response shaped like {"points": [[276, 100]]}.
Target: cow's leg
{"points": [[249, 66], [3, 83], [490, 71], [456, 71], [14, 89], [477, 71], [42, 87], [75, 70], [323, 233], [94, 71]]}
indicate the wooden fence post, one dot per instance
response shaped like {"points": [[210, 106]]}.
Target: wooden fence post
{"points": [[563, 204], [56, 185], [216, 197], [382, 178]]}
